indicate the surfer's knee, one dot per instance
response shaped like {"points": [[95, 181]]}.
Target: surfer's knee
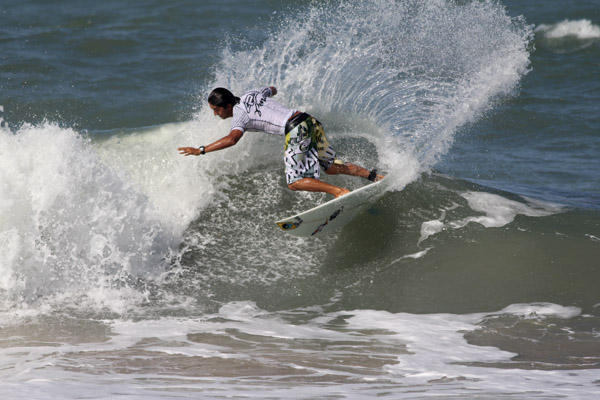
{"points": [[293, 186]]}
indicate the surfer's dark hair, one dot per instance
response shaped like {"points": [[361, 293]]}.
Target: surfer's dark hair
{"points": [[221, 97]]}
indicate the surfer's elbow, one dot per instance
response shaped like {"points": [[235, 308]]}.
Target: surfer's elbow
{"points": [[235, 135], [232, 139]]}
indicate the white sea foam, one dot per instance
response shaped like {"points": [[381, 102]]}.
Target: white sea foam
{"points": [[429, 228], [592, 237], [580, 29], [498, 211], [539, 310]]}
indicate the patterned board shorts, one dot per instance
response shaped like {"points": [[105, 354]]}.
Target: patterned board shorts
{"points": [[307, 148]]}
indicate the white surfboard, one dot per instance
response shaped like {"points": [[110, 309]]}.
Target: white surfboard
{"points": [[332, 215]]}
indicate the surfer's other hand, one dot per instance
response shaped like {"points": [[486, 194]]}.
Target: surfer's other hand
{"points": [[189, 151]]}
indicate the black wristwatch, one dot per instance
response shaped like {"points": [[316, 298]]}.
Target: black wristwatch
{"points": [[201, 148]]}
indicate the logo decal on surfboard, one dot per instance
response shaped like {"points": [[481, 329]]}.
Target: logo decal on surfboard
{"points": [[331, 218], [286, 226]]}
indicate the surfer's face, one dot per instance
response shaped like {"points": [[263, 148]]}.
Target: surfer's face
{"points": [[223, 112]]}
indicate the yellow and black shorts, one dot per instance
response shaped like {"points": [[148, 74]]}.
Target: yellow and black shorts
{"points": [[306, 150]]}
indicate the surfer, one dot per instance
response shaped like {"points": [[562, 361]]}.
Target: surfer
{"points": [[306, 147]]}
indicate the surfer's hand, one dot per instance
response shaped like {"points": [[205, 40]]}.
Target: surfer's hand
{"points": [[189, 151]]}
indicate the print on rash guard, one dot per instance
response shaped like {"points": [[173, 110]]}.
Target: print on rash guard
{"points": [[258, 112]]}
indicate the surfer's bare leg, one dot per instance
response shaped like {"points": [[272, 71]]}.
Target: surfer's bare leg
{"points": [[350, 169], [315, 185]]}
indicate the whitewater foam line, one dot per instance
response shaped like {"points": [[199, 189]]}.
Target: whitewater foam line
{"points": [[357, 351]]}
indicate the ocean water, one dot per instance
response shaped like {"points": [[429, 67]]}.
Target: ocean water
{"points": [[128, 271]]}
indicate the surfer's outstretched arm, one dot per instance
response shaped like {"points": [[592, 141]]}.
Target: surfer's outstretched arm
{"points": [[228, 141]]}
